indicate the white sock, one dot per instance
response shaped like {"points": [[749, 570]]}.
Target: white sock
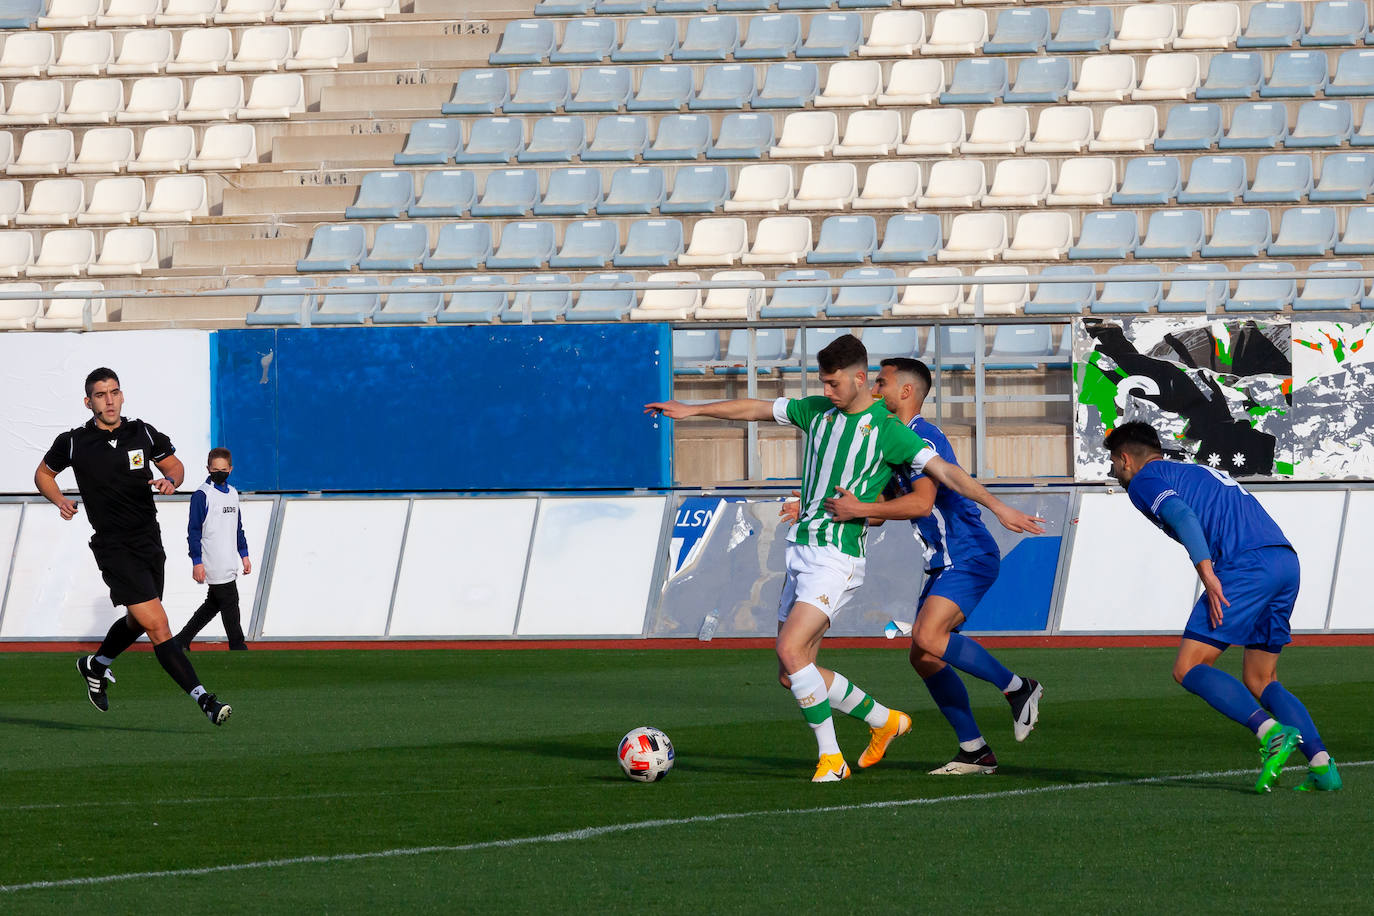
{"points": [[1264, 727], [977, 744], [808, 686], [1319, 759], [850, 700], [197, 693], [1014, 684]]}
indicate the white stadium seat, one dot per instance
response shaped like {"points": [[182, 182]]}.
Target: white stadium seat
{"points": [[1126, 128], [226, 147], [44, 152], [1105, 78], [933, 132], [11, 201], [114, 200], [894, 33], [1169, 76], [53, 202], [262, 47], [1004, 129], [1146, 27], [998, 298], [1209, 25], [34, 102], [186, 12], [958, 32], [826, 186], [27, 54], [144, 52], [955, 183], [1019, 183], [890, 186], [84, 54], [1084, 182], [93, 101], [165, 148], [366, 9], [323, 47], [127, 251], [177, 199], [668, 304], [153, 99], [305, 10], [19, 314], [63, 253], [16, 252], [765, 186], [913, 82], [213, 98], [69, 14], [276, 95], [1040, 237], [871, 133], [72, 314], [807, 135], [202, 51], [245, 12], [732, 304], [851, 84], [128, 12], [717, 241], [104, 149], [933, 301], [1064, 129], [780, 240], [974, 237]]}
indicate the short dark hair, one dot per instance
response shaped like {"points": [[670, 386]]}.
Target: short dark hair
{"points": [[219, 452], [1134, 437], [99, 375], [845, 352], [909, 366]]}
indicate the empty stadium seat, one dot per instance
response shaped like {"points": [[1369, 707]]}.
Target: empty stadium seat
{"points": [[708, 38], [1192, 292], [913, 82], [202, 51], [864, 301], [1238, 233], [478, 92], [484, 299], [245, 11], [1295, 74], [1215, 180], [1146, 27], [976, 81], [430, 143], [680, 137], [143, 52], [1272, 25], [954, 183], [1017, 345], [508, 192], [770, 37], [1168, 76], [225, 147], [998, 130], [1354, 74], [1190, 127], [11, 201], [1358, 237], [445, 193], [795, 300], [1069, 298], [739, 304], [1018, 183], [1280, 178], [27, 54], [165, 148], [349, 10], [525, 41], [588, 243], [933, 131], [806, 135], [931, 300], [1322, 124], [1041, 79], [460, 246], [69, 14], [1336, 22], [662, 88], [997, 298], [871, 133], [356, 306], [1304, 232], [640, 190], [84, 54], [103, 149], [909, 237], [668, 304], [850, 83], [825, 186], [570, 192], [1106, 235], [212, 98], [34, 102], [780, 240], [651, 243], [889, 342], [114, 200], [603, 304], [1209, 25], [719, 241], [1083, 28], [845, 240], [1040, 237], [1019, 32], [382, 195], [1088, 181], [334, 248], [1067, 129], [975, 237], [63, 253], [266, 47], [397, 246], [409, 302], [540, 90], [284, 309], [1108, 78], [725, 86], [647, 39], [523, 244], [492, 140], [53, 201], [1124, 297], [618, 138], [93, 101], [1333, 293], [699, 189], [1263, 294], [894, 33], [1345, 177], [1126, 128], [43, 152], [1149, 180], [832, 35], [889, 186], [1232, 76], [960, 32], [547, 305], [1256, 125], [1172, 234], [555, 139], [128, 12], [601, 89], [743, 135], [585, 41], [16, 252], [154, 99], [186, 12], [786, 85], [19, 314], [762, 187]]}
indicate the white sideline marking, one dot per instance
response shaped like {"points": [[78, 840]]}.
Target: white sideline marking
{"points": [[587, 833]]}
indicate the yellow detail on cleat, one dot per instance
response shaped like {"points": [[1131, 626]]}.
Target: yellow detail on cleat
{"points": [[831, 768], [897, 724]]}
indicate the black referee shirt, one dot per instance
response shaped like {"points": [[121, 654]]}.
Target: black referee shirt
{"points": [[114, 472]]}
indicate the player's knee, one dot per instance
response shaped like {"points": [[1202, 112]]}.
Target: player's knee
{"points": [[1181, 670], [1257, 683], [928, 641]]}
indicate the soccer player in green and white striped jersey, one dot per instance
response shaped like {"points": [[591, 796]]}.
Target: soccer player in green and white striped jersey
{"points": [[852, 442]]}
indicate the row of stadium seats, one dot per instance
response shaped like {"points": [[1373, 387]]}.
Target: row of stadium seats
{"points": [[165, 148], [125, 251], [149, 51], [153, 99], [723, 241], [54, 314], [961, 32], [62, 201], [81, 14]]}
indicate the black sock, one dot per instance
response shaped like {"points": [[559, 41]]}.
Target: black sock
{"points": [[119, 637], [176, 664]]}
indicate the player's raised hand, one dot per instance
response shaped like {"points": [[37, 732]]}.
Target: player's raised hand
{"points": [[1016, 520], [673, 410], [67, 509], [844, 505], [791, 509]]}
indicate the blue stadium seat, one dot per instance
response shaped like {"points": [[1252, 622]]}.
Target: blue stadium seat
{"points": [[725, 86], [334, 248], [431, 143], [562, 7], [1256, 125], [1280, 178], [355, 306], [680, 136], [709, 38], [1110, 234], [1190, 291], [1336, 23], [1017, 346], [1358, 237], [446, 193], [1125, 297], [662, 88], [523, 244], [651, 243], [832, 35], [397, 246], [1149, 180], [1041, 79], [864, 301], [1082, 28], [588, 244], [20, 14], [1331, 294], [280, 310], [484, 299], [460, 246], [542, 90], [408, 302], [1272, 25], [479, 92], [492, 140], [634, 190], [508, 192], [1345, 177], [525, 41], [770, 347], [1062, 298], [1214, 180], [807, 343], [648, 39], [1190, 127], [622, 7], [601, 89], [1304, 232], [910, 237], [1019, 32], [603, 304], [743, 6], [1172, 234], [807, 4], [743, 135], [791, 85], [1295, 75], [858, 4], [585, 41], [976, 81], [692, 348], [1236, 75], [957, 344], [698, 189], [682, 6], [382, 195], [890, 343], [555, 139], [770, 37], [1238, 233], [1263, 295], [570, 192], [620, 138], [1322, 124], [540, 306], [798, 301], [1354, 74], [845, 240]]}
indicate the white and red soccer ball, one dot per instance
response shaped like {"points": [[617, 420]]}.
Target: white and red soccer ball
{"points": [[645, 754]]}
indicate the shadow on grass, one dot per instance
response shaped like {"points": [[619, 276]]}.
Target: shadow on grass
{"points": [[57, 725]]}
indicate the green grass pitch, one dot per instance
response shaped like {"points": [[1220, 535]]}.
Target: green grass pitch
{"points": [[384, 782]]}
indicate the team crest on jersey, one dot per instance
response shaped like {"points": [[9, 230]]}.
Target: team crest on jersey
{"points": [[865, 427], [135, 459], [824, 599]]}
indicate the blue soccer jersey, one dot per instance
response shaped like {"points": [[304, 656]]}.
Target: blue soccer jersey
{"points": [[1232, 520], [953, 532]]}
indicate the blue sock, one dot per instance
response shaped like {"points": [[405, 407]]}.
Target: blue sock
{"points": [[1289, 710], [1225, 694], [971, 658], [949, 693]]}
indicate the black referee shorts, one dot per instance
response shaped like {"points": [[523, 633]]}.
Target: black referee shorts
{"points": [[133, 571]]}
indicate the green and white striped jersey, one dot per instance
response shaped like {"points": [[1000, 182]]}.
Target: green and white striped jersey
{"points": [[851, 450]]}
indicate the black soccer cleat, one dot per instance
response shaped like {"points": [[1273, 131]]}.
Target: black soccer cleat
{"points": [[1025, 707], [95, 685], [218, 713], [982, 761]]}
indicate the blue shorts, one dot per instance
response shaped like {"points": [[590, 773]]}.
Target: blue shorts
{"points": [[964, 584], [1262, 586]]}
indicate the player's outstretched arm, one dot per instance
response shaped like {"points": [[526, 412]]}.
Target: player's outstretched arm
{"points": [[738, 409], [45, 479], [844, 505], [958, 480]]}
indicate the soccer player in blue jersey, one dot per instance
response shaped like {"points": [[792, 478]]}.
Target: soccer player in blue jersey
{"points": [[961, 563], [1249, 576]]}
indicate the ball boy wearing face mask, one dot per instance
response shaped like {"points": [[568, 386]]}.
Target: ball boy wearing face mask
{"points": [[218, 549]]}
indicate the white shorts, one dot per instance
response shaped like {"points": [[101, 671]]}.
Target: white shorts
{"points": [[820, 576]]}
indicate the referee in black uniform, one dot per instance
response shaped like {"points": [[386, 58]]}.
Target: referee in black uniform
{"points": [[112, 457]]}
